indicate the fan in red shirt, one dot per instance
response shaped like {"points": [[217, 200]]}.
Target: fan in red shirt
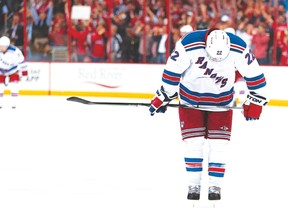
{"points": [[79, 33], [97, 40], [58, 35], [284, 51]]}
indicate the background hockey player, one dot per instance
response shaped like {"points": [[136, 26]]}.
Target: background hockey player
{"points": [[185, 29], [201, 72], [12, 68]]}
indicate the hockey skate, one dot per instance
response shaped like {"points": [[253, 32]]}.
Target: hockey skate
{"points": [[214, 193], [194, 197], [194, 192]]}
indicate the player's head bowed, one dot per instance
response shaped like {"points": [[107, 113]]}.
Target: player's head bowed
{"points": [[217, 44], [4, 43]]}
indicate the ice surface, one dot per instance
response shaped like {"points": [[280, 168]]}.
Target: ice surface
{"points": [[60, 158]]}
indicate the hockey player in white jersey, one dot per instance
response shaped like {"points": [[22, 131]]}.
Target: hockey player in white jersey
{"points": [[201, 73], [12, 68]]}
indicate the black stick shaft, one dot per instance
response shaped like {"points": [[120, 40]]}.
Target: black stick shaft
{"points": [[84, 101]]}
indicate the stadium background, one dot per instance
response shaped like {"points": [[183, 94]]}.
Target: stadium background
{"points": [[114, 30], [113, 37]]}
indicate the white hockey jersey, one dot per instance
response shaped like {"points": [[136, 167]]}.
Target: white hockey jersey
{"points": [[12, 61], [203, 82]]}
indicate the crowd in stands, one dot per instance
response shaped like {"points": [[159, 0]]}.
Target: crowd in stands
{"points": [[137, 31]]}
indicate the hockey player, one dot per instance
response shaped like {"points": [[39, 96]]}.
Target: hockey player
{"points": [[201, 72], [185, 29], [12, 68]]}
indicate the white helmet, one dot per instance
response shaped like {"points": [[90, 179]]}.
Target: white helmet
{"points": [[4, 41], [186, 28], [230, 30], [218, 45]]}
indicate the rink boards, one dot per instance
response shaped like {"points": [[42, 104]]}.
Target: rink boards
{"points": [[131, 81]]}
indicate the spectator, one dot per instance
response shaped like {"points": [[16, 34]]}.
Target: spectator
{"points": [[280, 34], [43, 6], [29, 31], [259, 42], [42, 24], [97, 42], [15, 32], [130, 45], [244, 31], [3, 16], [58, 35], [115, 45], [226, 22], [79, 34], [159, 45], [186, 18], [284, 53], [126, 15], [145, 46]]}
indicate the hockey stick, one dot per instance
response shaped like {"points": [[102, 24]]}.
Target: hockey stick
{"points": [[87, 102], [84, 101]]}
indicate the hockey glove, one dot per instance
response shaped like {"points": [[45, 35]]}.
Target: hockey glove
{"points": [[253, 106], [24, 73], [160, 101]]}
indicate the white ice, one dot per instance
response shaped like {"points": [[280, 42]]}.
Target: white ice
{"points": [[60, 158]]}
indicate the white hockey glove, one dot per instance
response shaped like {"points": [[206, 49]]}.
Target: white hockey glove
{"points": [[160, 101], [253, 106]]}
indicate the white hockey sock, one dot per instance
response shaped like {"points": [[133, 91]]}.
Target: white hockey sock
{"points": [[194, 159], [217, 161]]}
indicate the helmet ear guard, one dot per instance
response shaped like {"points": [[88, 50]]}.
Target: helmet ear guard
{"points": [[217, 44]]}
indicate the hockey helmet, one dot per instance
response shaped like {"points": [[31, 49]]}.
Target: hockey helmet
{"points": [[218, 45], [185, 29], [4, 41]]}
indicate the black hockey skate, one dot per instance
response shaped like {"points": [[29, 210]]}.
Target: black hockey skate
{"points": [[214, 193], [194, 192]]}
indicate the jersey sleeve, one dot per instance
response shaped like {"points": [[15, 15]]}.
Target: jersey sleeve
{"points": [[22, 65], [176, 64], [249, 68], [19, 57], [23, 68]]}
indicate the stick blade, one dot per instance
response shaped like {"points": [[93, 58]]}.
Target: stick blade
{"points": [[79, 100]]}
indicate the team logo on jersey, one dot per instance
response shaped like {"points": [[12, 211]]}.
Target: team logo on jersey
{"points": [[224, 128], [209, 72]]}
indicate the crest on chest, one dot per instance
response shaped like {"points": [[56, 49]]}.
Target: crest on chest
{"points": [[210, 72]]}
